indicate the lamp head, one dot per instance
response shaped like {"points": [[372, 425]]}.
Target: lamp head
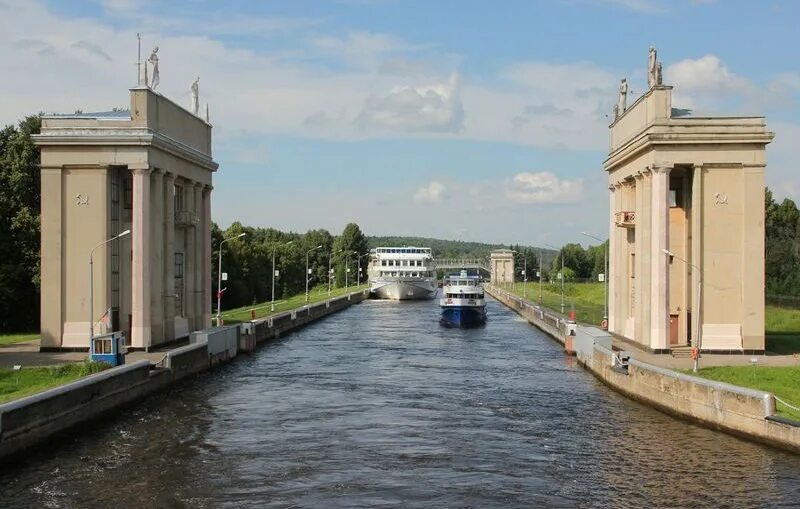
{"points": [[126, 232], [667, 252], [241, 235]]}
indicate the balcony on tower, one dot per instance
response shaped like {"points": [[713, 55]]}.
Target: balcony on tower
{"points": [[625, 219], [186, 219]]}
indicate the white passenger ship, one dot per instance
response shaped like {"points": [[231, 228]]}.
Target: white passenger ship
{"points": [[402, 273]]}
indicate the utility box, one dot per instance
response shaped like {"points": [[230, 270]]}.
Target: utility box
{"points": [[109, 348]]}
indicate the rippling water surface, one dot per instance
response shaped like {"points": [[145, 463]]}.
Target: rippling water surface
{"points": [[378, 406]]}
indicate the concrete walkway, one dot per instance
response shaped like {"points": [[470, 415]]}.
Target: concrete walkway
{"points": [[28, 354], [706, 360]]}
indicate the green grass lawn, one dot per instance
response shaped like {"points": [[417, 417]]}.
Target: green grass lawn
{"points": [[585, 298], [10, 339], [783, 330], [784, 382], [263, 309], [27, 381]]}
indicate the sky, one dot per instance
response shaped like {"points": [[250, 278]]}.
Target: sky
{"points": [[470, 120]]}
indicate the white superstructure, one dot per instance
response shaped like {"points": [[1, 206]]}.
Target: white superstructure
{"points": [[402, 273]]}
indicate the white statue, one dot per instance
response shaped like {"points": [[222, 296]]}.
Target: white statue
{"points": [[622, 100], [196, 96], [154, 60], [652, 68]]}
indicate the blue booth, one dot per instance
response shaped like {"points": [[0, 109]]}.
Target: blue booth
{"points": [[109, 348]]}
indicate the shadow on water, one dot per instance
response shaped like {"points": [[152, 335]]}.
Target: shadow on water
{"points": [[380, 406]]}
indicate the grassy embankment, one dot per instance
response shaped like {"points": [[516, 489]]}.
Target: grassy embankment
{"points": [[10, 339], [263, 309], [782, 381], [27, 381]]}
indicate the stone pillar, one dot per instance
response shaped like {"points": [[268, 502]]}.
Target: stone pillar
{"points": [[659, 262], [157, 258], [197, 251], [752, 268], [612, 250], [169, 256], [52, 263], [206, 263], [696, 253], [140, 244], [189, 257], [636, 302]]}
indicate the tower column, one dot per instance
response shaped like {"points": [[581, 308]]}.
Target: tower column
{"points": [[659, 262], [140, 245], [169, 256], [205, 224], [611, 270]]}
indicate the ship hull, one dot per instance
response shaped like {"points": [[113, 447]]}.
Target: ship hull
{"points": [[463, 316], [404, 290]]}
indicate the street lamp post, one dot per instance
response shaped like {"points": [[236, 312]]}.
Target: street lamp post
{"points": [[330, 269], [359, 266], [605, 276], [524, 274], [540, 275], [346, 270], [91, 283], [307, 271], [272, 305], [698, 322], [561, 255], [219, 274]]}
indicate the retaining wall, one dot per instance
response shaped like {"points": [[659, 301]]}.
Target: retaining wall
{"points": [[736, 410], [27, 421]]}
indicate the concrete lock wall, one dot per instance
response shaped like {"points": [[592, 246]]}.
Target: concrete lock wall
{"points": [[29, 420], [187, 360], [736, 410]]}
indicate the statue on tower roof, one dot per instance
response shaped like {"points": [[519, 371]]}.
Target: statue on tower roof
{"points": [[196, 96], [154, 79], [652, 68]]}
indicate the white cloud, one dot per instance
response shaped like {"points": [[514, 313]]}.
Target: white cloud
{"points": [[645, 6], [431, 108], [434, 192], [707, 74], [543, 187]]}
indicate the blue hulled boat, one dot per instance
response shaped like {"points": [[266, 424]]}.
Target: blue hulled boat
{"points": [[462, 301]]}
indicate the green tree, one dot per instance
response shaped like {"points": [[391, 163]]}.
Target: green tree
{"points": [[782, 246], [20, 193], [575, 258], [348, 246]]}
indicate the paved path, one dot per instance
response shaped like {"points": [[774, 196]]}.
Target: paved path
{"points": [[706, 360], [28, 354]]}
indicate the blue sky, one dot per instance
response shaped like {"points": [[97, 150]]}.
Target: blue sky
{"points": [[477, 120]]}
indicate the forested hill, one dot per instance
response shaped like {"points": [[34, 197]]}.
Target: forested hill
{"points": [[441, 248]]}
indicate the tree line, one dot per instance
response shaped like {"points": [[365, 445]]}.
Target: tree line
{"points": [[248, 260]]}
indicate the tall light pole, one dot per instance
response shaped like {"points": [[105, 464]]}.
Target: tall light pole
{"points": [[524, 273], [308, 272], [330, 269], [359, 266], [698, 322], [219, 273], [561, 255], [272, 305], [91, 283], [347, 269], [540, 275], [605, 276]]}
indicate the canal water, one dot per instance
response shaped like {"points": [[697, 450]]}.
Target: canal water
{"points": [[379, 406]]}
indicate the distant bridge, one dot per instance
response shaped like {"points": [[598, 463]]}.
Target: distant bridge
{"points": [[462, 263]]}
